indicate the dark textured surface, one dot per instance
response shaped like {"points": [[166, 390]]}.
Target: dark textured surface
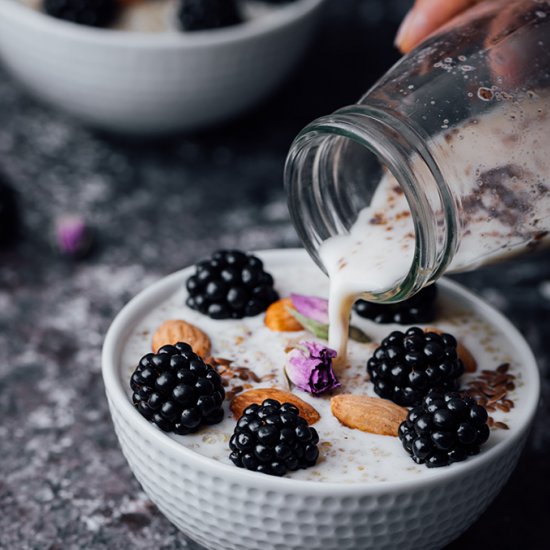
{"points": [[157, 207]]}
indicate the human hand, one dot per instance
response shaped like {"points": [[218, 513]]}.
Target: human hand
{"points": [[425, 17], [509, 60]]}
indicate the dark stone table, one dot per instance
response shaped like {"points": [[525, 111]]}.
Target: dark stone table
{"points": [[156, 207]]}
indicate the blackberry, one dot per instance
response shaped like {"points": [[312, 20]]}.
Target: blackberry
{"points": [[445, 428], [272, 438], [9, 215], [418, 309], [231, 284], [176, 390], [198, 15], [408, 365], [93, 13]]}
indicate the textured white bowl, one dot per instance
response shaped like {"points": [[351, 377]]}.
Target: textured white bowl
{"points": [[153, 83], [227, 508]]}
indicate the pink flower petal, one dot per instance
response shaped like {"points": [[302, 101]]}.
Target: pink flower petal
{"points": [[311, 306]]}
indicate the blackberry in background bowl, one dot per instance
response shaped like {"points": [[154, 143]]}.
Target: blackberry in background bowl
{"points": [[197, 15], [93, 13], [230, 285]]}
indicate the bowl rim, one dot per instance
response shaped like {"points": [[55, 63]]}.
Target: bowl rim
{"points": [[119, 331], [283, 16]]}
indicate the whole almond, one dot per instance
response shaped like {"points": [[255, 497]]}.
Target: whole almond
{"points": [[258, 395], [470, 364], [176, 330], [368, 414], [278, 318]]}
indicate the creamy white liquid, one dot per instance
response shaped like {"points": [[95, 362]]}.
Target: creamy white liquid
{"points": [[347, 455], [499, 165], [376, 254]]}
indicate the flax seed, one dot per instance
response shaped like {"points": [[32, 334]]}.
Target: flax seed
{"points": [[501, 378], [222, 361], [502, 426], [254, 376], [497, 396]]}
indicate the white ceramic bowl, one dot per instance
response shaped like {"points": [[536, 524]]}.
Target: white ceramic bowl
{"points": [[227, 508], [153, 83]]}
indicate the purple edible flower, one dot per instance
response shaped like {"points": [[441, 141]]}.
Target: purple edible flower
{"points": [[311, 306], [309, 367], [73, 236]]}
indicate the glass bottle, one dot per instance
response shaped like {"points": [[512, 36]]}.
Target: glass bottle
{"points": [[457, 133]]}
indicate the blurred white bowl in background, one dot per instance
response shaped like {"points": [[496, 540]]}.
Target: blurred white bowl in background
{"points": [[153, 83]]}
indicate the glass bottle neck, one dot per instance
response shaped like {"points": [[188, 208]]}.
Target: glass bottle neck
{"points": [[333, 170]]}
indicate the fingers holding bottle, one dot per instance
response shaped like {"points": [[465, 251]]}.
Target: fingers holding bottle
{"points": [[512, 51], [425, 17]]}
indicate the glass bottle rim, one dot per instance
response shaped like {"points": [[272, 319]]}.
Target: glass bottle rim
{"points": [[394, 140]]}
